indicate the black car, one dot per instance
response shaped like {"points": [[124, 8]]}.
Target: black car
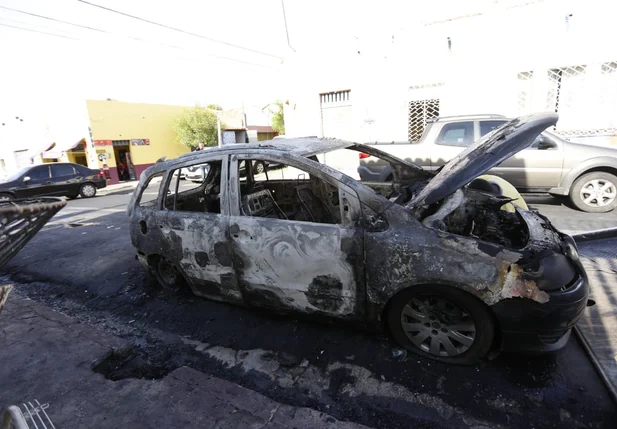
{"points": [[60, 179]]}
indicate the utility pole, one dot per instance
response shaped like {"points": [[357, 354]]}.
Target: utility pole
{"points": [[218, 128]]}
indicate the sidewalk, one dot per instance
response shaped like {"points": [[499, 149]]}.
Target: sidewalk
{"points": [[598, 326], [118, 187], [48, 356]]}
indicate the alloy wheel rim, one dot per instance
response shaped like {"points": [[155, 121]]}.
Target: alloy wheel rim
{"points": [[438, 326], [88, 190], [598, 193]]}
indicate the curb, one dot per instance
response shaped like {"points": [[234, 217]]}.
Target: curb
{"points": [[612, 389], [598, 234]]}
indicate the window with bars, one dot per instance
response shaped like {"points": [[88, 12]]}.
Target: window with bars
{"points": [[420, 112], [335, 97], [565, 87], [525, 80]]}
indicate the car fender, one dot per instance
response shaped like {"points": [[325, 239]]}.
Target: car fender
{"points": [[601, 162]]}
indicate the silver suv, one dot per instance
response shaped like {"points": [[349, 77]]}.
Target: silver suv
{"points": [[585, 173]]}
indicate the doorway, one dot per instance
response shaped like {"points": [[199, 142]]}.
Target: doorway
{"points": [[124, 164]]}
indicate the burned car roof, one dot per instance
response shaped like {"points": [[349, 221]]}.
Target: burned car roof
{"points": [[302, 146]]}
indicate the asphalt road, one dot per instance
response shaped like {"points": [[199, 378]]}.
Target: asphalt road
{"points": [[82, 264]]}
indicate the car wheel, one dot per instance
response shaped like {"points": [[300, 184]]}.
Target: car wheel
{"points": [[167, 275], [259, 167], [595, 192], [5, 197], [442, 323], [87, 190]]}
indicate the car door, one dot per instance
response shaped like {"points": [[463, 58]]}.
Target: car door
{"points": [[452, 139], [538, 167], [64, 179], [196, 228], [298, 265], [36, 182]]}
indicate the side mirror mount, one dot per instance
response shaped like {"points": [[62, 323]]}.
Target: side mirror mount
{"points": [[546, 143], [26, 179]]}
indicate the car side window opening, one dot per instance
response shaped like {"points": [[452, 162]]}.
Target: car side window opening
{"points": [[39, 173], [201, 194], [488, 126], [286, 192], [150, 191], [62, 170], [456, 134]]}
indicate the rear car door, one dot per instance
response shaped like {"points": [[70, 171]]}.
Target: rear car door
{"points": [[452, 139], [536, 168], [296, 240], [196, 229], [64, 179], [36, 182]]}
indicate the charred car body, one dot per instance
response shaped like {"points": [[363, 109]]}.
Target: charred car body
{"points": [[442, 265]]}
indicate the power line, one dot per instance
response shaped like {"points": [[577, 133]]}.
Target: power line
{"points": [[286, 30], [130, 37], [180, 30], [41, 32], [51, 19]]}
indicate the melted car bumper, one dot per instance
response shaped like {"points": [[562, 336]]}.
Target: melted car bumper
{"points": [[533, 327]]}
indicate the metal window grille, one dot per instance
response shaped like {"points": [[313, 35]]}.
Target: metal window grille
{"points": [[420, 112], [525, 80], [335, 97], [566, 86], [585, 96]]}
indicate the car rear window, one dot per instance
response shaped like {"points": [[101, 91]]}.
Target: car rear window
{"points": [[150, 191], [60, 170]]}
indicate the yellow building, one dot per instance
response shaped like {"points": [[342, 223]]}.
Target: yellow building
{"points": [[130, 137]]}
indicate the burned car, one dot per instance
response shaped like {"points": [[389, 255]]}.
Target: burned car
{"points": [[439, 263]]}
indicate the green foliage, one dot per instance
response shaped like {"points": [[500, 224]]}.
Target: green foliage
{"points": [[197, 124], [278, 120], [214, 107]]}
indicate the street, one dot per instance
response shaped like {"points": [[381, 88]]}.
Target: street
{"points": [[82, 264]]}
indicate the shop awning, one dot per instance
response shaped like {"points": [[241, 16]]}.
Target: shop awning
{"points": [[57, 149]]}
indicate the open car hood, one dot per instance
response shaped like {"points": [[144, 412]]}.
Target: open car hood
{"points": [[484, 154]]}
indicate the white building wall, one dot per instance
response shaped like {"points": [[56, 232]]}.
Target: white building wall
{"points": [[474, 71]]}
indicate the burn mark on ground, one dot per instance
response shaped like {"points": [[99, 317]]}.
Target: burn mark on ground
{"points": [[325, 293], [202, 259]]}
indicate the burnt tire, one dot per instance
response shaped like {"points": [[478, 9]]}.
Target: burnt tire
{"points": [[166, 274], [87, 190], [442, 323], [595, 192]]}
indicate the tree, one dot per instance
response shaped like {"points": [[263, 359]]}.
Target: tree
{"points": [[214, 107], [278, 120], [197, 124]]}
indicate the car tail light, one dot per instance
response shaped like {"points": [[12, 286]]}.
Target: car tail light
{"points": [[100, 175], [364, 155]]}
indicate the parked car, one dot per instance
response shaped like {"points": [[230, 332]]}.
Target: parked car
{"points": [[451, 273], [586, 174], [195, 173], [55, 179]]}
